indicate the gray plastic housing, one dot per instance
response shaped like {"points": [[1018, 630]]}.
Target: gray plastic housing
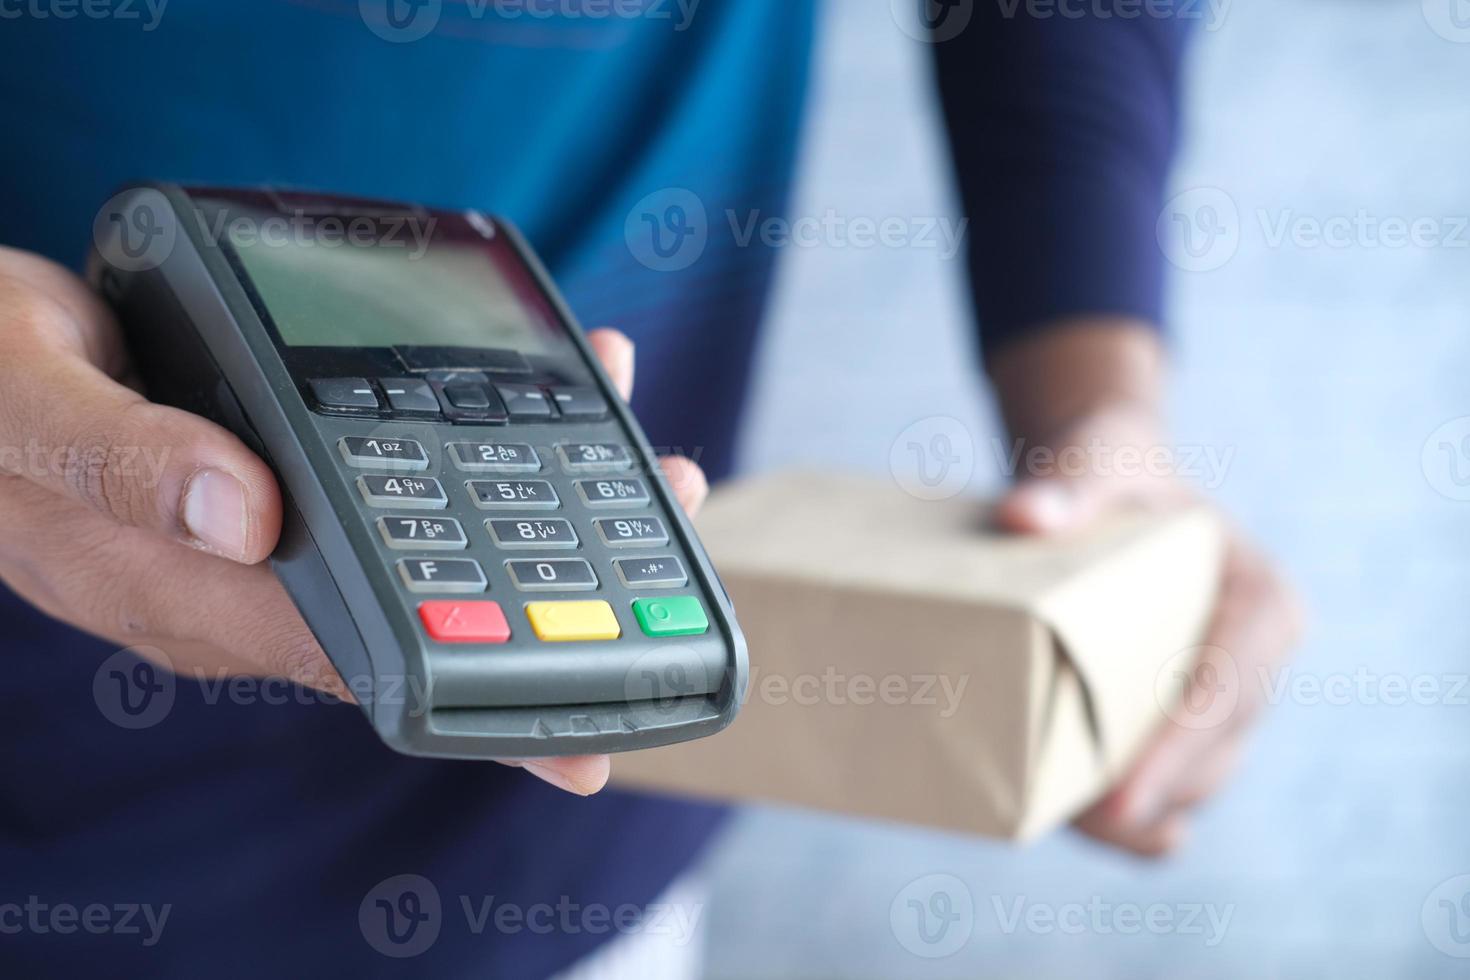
{"points": [[201, 345]]}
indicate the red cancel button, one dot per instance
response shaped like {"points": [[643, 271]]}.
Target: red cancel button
{"points": [[451, 621]]}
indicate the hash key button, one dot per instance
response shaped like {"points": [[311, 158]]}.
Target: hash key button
{"points": [[413, 492], [392, 454], [530, 575], [651, 573], [442, 575]]}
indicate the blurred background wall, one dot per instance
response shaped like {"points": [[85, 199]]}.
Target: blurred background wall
{"points": [[1333, 367]]}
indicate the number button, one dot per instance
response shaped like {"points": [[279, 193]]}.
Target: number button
{"points": [[383, 454], [583, 457], [553, 573], [419, 493], [422, 533], [631, 532], [499, 457], [513, 494], [520, 534], [442, 575], [651, 573], [612, 493]]}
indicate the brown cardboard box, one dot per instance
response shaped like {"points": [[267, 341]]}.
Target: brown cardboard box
{"points": [[907, 663]]}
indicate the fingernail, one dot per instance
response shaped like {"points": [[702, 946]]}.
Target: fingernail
{"points": [[630, 361], [215, 514], [1052, 505], [1143, 807], [553, 776]]}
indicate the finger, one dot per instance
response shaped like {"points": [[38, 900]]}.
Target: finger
{"points": [[1092, 467], [1057, 504], [127, 585], [579, 774], [1049, 506], [1114, 819], [1151, 840], [687, 481], [1255, 624], [1207, 775], [65, 425], [28, 281], [615, 351]]}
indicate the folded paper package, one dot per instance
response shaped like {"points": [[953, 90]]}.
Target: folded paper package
{"points": [[909, 663]]}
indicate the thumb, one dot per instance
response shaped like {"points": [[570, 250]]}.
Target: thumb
{"points": [[69, 427], [1053, 505], [1099, 464]]}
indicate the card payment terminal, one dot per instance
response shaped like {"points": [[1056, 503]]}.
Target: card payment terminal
{"points": [[476, 528]]}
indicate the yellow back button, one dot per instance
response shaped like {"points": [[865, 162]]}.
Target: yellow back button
{"points": [[586, 619]]}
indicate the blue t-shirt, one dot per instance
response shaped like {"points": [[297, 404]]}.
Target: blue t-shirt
{"points": [[631, 140], [264, 827]]}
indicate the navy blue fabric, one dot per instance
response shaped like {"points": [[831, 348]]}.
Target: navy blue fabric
{"points": [[264, 827], [1063, 127], [625, 147]]}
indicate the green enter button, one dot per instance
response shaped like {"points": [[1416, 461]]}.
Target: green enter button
{"points": [[675, 615]]}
